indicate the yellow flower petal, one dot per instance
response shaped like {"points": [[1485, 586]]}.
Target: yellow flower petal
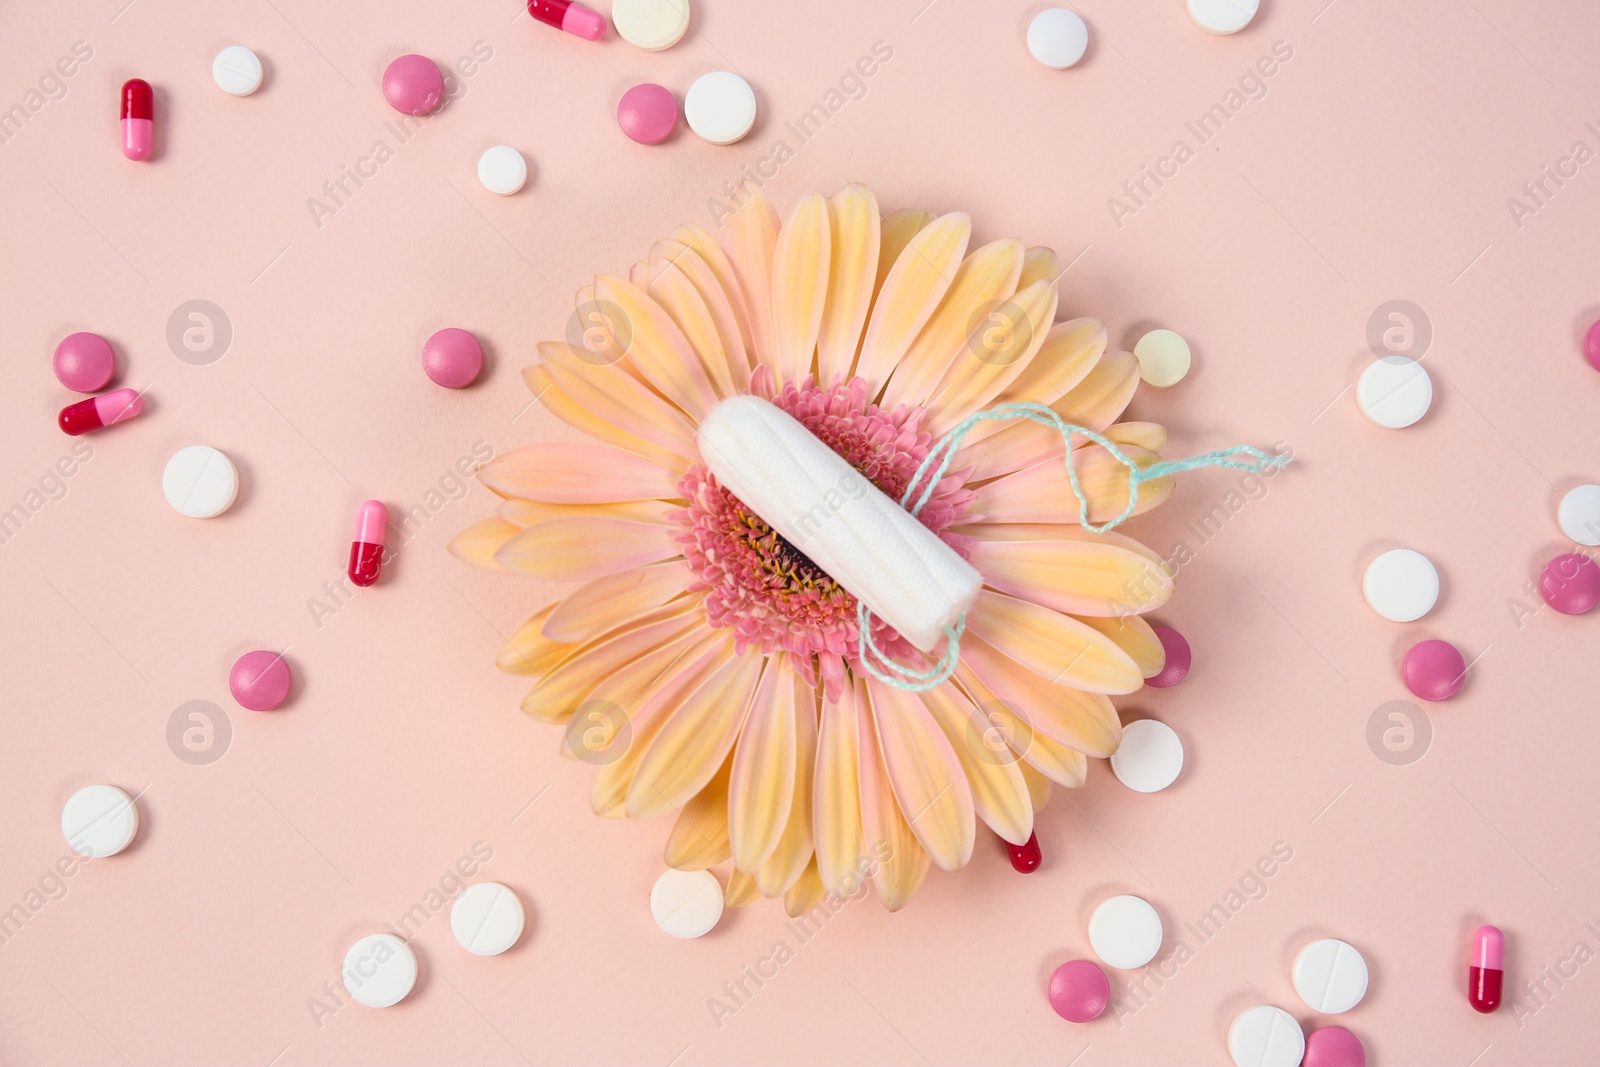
{"points": [[1038, 785], [1054, 645], [741, 890], [761, 790], [699, 837], [726, 278], [1083, 721], [910, 292], [529, 651], [1135, 637], [595, 663], [695, 739], [751, 237], [612, 393], [837, 801], [603, 720], [577, 474], [1094, 401], [525, 513], [788, 861], [1045, 755], [589, 609], [981, 370], [657, 349], [585, 548], [477, 544], [806, 894], [574, 413], [1150, 436], [897, 231], [855, 239], [1042, 492], [680, 296], [999, 791], [1071, 350], [1069, 569], [800, 286], [901, 861], [1040, 265], [925, 775]]}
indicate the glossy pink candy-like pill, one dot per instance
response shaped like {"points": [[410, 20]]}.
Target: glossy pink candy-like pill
{"points": [[260, 680], [1179, 658], [138, 111], [1026, 857], [100, 411], [1486, 974], [648, 113], [1571, 583], [84, 362], [366, 552], [413, 85], [574, 18], [452, 358], [1591, 345], [1079, 991], [1334, 1046], [1433, 670]]}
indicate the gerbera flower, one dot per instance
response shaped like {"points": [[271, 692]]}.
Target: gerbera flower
{"points": [[707, 666]]}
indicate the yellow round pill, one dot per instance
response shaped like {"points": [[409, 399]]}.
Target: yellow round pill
{"points": [[1163, 357]]}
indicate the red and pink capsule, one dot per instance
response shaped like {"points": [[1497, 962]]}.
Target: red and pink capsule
{"points": [[366, 552], [1485, 977], [99, 412], [138, 111], [574, 18]]}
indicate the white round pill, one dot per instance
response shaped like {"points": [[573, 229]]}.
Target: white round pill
{"points": [[1264, 1036], [502, 170], [1394, 392], [1149, 757], [1579, 514], [720, 107], [1330, 976], [686, 903], [99, 820], [1223, 16], [1163, 357], [487, 919], [1125, 932], [1401, 585], [1058, 37], [650, 24], [237, 70], [200, 482], [379, 970]]}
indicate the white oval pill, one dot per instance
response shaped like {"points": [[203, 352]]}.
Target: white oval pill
{"points": [[686, 903], [1330, 975], [1394, 392], [1264, 1036], [99, 821], [1401, 585], [1058, 37], [1125, 932], [237, 70], [1223, 16], [720, 107], [1163, 357], [487, 919], [200, 482], [650, 24], [502, 170], [379, 970], [1149, 757], [1579, 514]]}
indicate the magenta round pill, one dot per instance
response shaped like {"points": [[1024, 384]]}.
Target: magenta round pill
{"points": [[1571, 583], [1591, 345], [84, 362], [413, 85], [260, 680], [1433, 670], [1334, 1046], [1178, 658], [648, 113], [1079, 991], [452, 358]]}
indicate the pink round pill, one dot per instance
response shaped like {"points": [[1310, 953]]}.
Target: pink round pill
{"points": [[1179, 658], [452, 358], [1334, 1046], [648, 113], [1571, 583], [84, 362], [1591, 345], [413, 85], [260, 680], [1079, 991], [1433, 670]]}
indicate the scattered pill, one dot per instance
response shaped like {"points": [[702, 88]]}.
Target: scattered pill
{"points": [[1163, 357], [574, 18], [84, 362], [1330, 975], [453, 358], [1591, 345], [1433, 670], [260, 680], [1179, 658], [237, 70], [1578, 514], [1149, 757], [366, 551], [487, 919], [138, 110], [1264, 1036], [1334, 1046], [1401, 585], [648, 113], [1125, 932], [1223, 16], [1079, 991], [502, 170], [1571, 584], [379, 970], [99, 412], [200, 482], [99, 821], [1026, 857], [650, 24], [1058, 37], [413, 85], [1484, 976], [720, 107], [1394, 392], [686, 903]]}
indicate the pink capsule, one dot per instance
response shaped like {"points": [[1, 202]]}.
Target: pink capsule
{"points": [[574, 18], [366, 553], [1485, 977], [99, 412], [138, 110]]}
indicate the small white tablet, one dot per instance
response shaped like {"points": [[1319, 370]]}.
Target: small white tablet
{"points": [[487, 919], [237, 70], [1394, 392], [1579, 514], [1149, 757], [1164, 358], [1058, 37], [720, 107], [686, 903], [650, 24], [99, 821], [379, 970], [1264, 1036], [1401, 585], [1330, 976], [502, 170], [1223, 17], [200, 482], [1125, 932]]}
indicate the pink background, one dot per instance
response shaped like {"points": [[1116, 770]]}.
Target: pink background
{"points": [[1376, 167]]}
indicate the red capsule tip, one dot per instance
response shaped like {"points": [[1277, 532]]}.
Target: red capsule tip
{"points": [[137, 99], [1025, 859]]}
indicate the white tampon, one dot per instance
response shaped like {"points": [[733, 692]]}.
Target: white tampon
{"points": [[844, 524]]}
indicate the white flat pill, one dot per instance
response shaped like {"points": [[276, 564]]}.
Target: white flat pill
{"points": [[720, 107], [650, 24], [1330, 976], [1149, 757], [1394, 392], [1163, 357], [237, 70], [502, 170], [1058, 37], [1223, 16], [99, 820], [1401, 585], [1579, 515], [1264, 1036], [686, 903], [1125, 932], [200, 482], [379, 970], [487, 919]]}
